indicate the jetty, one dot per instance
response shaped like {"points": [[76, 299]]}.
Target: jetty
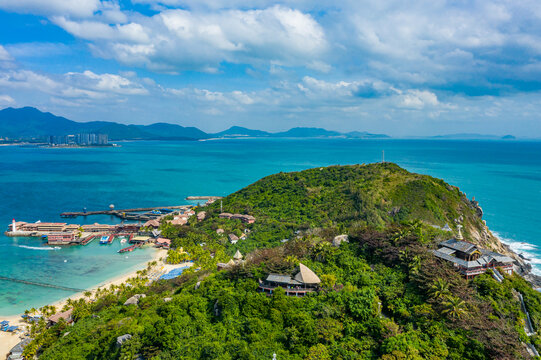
{"points": [[129, 248], [204, 197], [88, 239], [126, 213]]}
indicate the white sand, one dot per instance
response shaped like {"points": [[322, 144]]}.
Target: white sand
{"points": [[9, 340]]}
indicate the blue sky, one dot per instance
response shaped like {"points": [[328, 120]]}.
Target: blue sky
{"points": [[401, 68]]}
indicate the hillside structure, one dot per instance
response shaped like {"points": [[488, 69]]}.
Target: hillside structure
{"points": [[470, 260], [303, 282]]}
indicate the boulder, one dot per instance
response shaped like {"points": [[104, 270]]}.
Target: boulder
{"points": [[122, 339], [134, 300], [340, 239]]}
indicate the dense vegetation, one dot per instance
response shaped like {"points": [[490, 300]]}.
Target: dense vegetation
{"points": [[382, 294]]}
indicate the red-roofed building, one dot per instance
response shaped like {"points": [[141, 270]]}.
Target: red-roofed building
{"points": [[163, 242]]}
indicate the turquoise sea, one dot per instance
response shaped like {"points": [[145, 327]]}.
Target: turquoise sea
{"points": [[40, 183]]}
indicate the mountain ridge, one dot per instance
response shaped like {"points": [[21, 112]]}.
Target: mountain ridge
{"points": [[41, 124]]}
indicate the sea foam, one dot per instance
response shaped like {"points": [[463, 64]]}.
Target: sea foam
{"points": [[529, 251], [39, 248]]}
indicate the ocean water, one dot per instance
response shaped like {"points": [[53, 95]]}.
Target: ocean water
{"points": [[40, 183]]}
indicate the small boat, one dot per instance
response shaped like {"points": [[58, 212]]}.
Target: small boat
{"points": [[104, 239], [123, 240], [57, 248]]}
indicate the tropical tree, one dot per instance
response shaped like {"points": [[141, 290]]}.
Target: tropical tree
{"points": [[439, 289], [455, 307], [415, 265]]}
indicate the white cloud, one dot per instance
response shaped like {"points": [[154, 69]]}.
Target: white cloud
{"points": [[176, 40], [85, 86], [234, 99], [77, 8], [418, 99], [6, 100], [4, 55], [108, 83]]}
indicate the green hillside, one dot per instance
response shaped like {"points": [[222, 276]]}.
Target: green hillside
{"points": [[383, 295]]}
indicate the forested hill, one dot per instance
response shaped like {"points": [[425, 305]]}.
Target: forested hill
{"points": [[359, 195], [383, 295]]}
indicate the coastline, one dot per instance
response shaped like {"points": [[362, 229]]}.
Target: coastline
{"points": [[9, 340]]}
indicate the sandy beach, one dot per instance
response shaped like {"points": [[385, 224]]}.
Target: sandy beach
{"points": [[9, 340]]}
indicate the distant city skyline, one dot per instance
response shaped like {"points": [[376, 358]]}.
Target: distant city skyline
{"points": [[405, 69]]}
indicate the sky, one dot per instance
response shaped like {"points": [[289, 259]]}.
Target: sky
{"points": [[404, 68]]}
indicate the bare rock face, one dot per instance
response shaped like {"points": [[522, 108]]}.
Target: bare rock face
{"points": [[487, 240], [340, 239], [477, 208]]}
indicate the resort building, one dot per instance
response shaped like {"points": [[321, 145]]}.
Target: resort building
{"points": [[201, 215], [470, 260], [152, 224], [238, 256], [163, 243], [66, 315], [248, 219], [225, 216], [303, 282], [233, 239], [99, 228], [128, 227], [60, 238], [46, 226]]}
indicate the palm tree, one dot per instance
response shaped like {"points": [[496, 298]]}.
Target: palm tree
{"points": [[415, 265], [439, 289], [291, 259], [455, 307], [400, 235]]}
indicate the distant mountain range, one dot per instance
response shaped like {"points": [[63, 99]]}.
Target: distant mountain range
{"points": [[467, 136], [29, 122]]}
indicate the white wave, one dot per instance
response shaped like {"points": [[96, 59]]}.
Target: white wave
{"points": [[527, 250], [38, 248]]}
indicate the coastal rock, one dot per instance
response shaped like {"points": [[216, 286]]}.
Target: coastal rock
{"points": [[134, 300], [477, 208]]}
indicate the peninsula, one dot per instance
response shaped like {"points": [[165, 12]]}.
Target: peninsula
{"points": [[361, 261]]}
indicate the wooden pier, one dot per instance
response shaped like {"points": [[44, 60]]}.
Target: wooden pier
{"points": [[122, 213]]}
